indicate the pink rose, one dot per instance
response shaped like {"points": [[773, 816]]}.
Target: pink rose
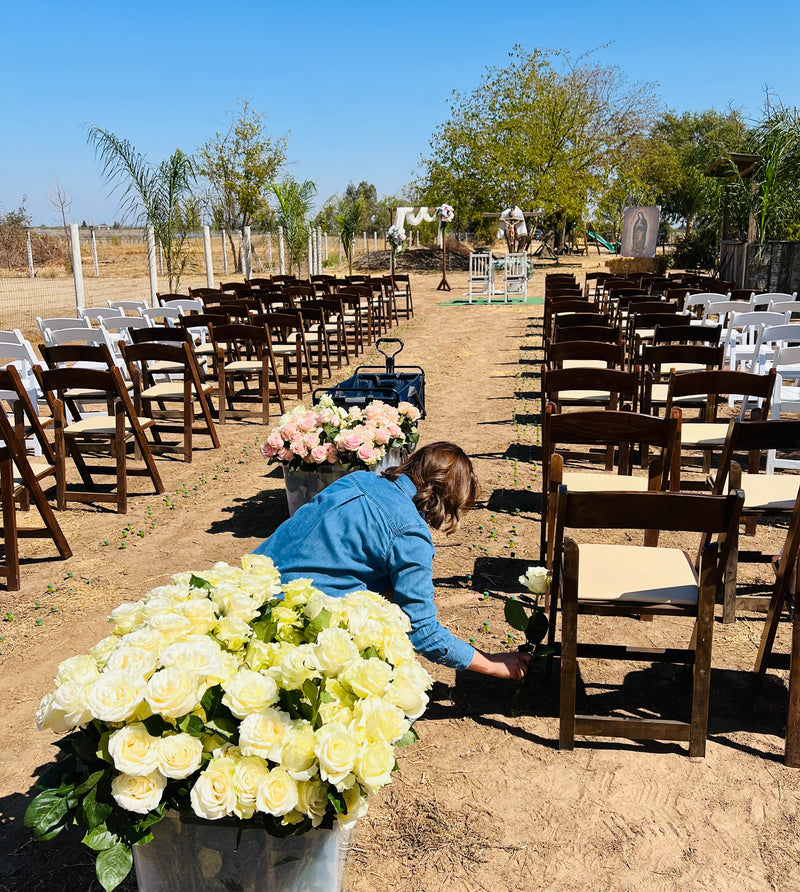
{"points": [[285, 454], [394, 429], [267, 451], [367, 454], [298, 447], [307, 422], [289, 431], [275, 440], [382, 436], [348, 440], [311, 439], [333, 453], [319, 454]]}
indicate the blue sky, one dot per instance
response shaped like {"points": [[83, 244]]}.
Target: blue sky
{"points": [[358, 87]]}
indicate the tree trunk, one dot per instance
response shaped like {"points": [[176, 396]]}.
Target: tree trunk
{"points": [[237, 266]]}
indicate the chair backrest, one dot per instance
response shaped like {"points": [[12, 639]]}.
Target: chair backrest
{"points": [[185, 304], [161, 315], [14, 391], [753, 438], [97, 356], [128, 306], [47, 326], [659, 358], [621, 386], [516, 266], [712, 385], [687, 334], [88, 336], [480, 265], [575, 352], [97, 314], [160, 334], [611, 334]]}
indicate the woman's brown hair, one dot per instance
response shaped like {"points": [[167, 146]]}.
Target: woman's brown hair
{"points": [[445, 481]]}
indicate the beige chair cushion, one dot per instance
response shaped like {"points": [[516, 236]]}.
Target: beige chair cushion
{"points": [[697, 434], [284, 350], [659, 395], [170, 390], [633, 573], [572, 396], [770, 492], [584, 364], [101, 426], [597, 481], [245, 365]]}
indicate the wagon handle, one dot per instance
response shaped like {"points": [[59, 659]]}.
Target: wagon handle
{"points": [[389, 356]]}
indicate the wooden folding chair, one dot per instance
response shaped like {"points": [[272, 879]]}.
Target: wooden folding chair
{"points": [[246, 352], [156, 398], [90, 433], [634, 581]]}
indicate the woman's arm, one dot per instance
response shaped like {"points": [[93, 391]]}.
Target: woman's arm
{"points": [[502, 665]]}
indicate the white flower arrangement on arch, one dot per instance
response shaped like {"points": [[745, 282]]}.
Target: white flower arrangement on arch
{"points": [[446, 213], [396, 236]]}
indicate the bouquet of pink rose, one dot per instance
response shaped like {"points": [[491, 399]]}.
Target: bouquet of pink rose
{"points": [[327, 434]]}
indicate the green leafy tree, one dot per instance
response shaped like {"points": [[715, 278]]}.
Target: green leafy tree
{"points": [[294, 204], [680, 148], [544, 131], [159, 195], [239, 167], [349, 214]]}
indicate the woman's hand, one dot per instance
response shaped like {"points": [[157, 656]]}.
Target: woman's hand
{"points": [[501, 665]]}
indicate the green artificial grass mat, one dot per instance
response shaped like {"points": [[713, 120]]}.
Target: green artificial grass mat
{"points": [[495, 302]]}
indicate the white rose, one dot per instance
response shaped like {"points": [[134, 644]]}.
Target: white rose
{"points": [[318, 601], [115, 696], [247, 775], [227, 667], [406, 691], [368, 677], [178, 755], [233, 633], [82, 669], [213, 795], [396, 648], [103, 649], [137, 660], [198, 654], [277, 793], [260, 577], [242, 606], [380, 720], [172, 692], [299, 756], [173, 593], [295, 666], [263, 734], [356, 805], [156, 605], [140, 793], [374, 765], [336, 752], [248, 691], [312, 800], [201, 613], [333, 651], [133, 750], [126, 617], [172, 626], [147, 639], [535, 580], [64, 709]]}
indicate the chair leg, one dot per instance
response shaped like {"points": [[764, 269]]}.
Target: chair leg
{"points": [[10, 538], [792, 752], [569, 649], [701, 682], [120, 453], [729, 581]]}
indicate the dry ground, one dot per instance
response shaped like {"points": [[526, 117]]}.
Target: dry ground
{"points": [[485, 800]]}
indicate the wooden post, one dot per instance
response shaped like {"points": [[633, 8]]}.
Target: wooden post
{"points": [[31, 273], [207, 252], [443, 285], [77, 270], [151, 263], [94, 254], [365, 241]]}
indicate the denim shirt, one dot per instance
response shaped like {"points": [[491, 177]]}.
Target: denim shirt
{"points": [[364, 532]]}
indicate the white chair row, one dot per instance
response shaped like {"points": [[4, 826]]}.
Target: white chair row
{"points": [[482, 275]]}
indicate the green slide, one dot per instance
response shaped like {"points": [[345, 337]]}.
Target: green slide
{"points": [[600, 241]]}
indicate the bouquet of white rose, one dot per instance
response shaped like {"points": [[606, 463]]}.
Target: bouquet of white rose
{"points": [[225, 694], [446, 213], [396, 236]]}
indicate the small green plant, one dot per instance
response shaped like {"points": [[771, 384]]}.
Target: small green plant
{"points": [[9, 616]]}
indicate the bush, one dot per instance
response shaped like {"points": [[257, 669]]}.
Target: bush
{"points": [[698, 250]]}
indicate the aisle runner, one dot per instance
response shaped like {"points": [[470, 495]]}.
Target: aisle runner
{"points": [[496, 302]]}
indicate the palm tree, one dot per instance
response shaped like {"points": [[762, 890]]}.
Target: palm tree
{"points": [[156, 195], [294, 205], [348, 216]]}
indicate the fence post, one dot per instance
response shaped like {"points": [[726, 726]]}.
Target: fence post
{"points": [[375, 240], [269, 249], [248, 253], [94, 254], [224, 253], [310, 254], [365, 241], [326, 246], [281, 261], [30, 253], [207, 252], [151, 263], [77, 271]]}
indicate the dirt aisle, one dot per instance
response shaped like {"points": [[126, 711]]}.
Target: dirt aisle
{"points": [[485, 800]]}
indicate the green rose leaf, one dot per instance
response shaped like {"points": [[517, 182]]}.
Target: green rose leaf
{"points": [[90, 782], [321, 621], [226, 728], [409, 738], [100, 838], [537, 627], [157, 726], [515, 615], [199, 582], [93, 813], [46, 811], [212, 699], [191, 724], [113, 865], [265, 629], [369, 653], [338, 803]]}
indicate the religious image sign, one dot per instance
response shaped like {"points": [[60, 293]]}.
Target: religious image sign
{"points": [[640, 231]]}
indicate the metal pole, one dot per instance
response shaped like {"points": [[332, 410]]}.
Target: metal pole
{"points": [[77, 271], [209, 259], [151, 262], [281, 261], [94, 254], [248, 253], [31, 273]]}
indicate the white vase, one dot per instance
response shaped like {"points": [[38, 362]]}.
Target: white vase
{"points": [[303, 484], [194, 855]]}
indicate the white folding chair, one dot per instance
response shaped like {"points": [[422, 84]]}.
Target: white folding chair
{"points": [[185, 304], [785, 397], [161, 315], [481, 274], [48, 326], [742, 334], [97, 314], [515, 276], [764, 301], [131, 307]]}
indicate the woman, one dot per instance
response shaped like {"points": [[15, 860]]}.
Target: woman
{"points": [[371, 532]]}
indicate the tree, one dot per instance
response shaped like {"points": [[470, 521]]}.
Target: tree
{"points": [[157, 195], [240, 165], [680, 148], [294, 203], [61, 201], [349, 213], [543, 132]]}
